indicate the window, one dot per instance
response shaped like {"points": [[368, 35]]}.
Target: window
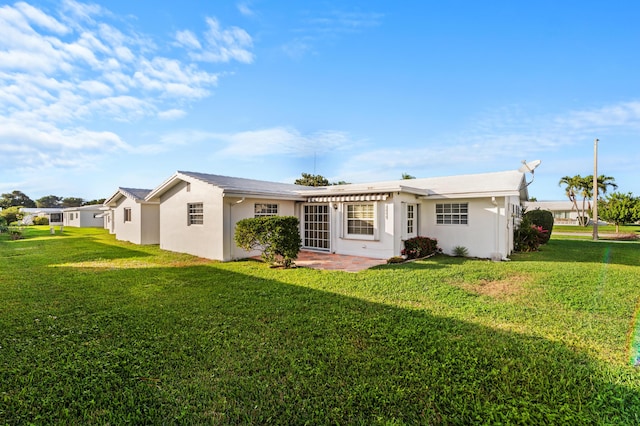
{"points": [[452, 214], [127, 215], [195, 214], [411, 218], [262, 209], [360, 219]]}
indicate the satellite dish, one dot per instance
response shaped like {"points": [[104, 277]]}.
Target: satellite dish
{"points": [[529, 166]]}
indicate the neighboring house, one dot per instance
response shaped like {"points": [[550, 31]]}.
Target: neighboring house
{"points": [[53, 214], [564, 212], [131, 218], [83, 216], [198, 213]]}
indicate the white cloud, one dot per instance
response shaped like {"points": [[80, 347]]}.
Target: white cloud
{"points": [[282, 141], [41, 19], [245, 10], [171, 114], [70, 71], [626, 114], [220, 44], [188, 39]]}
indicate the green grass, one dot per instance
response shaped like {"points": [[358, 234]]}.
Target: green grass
{"points": [[95, 331], [602, 229]]}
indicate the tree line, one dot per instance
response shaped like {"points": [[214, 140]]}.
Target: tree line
{"points": [[20, 199]]}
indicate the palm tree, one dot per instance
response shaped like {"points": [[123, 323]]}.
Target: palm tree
{"points": [[583, 186]]}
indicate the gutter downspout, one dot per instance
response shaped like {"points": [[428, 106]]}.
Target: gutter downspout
{"points": [[496, 256]]}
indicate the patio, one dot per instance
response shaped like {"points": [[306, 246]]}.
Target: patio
{"points": [[336, 262]]}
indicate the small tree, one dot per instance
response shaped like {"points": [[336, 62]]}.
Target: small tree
{"points": [[308, 179], [619, 208], [11, 214], [277, 236], [49, 201], [72, 202]]}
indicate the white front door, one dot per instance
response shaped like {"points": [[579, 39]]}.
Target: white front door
{"points": [[316, 227]]}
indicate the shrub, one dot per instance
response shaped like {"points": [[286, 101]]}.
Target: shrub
{"points": [[15, 233], [528, 236], [460, 251], [395, 259], [418, 247], [544, 219], [277, 236], [40, 220]]}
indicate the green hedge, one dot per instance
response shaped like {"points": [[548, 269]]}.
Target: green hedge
{"points": [[277, 236], [543, 219]]}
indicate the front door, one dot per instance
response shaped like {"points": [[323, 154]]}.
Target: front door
{"points": [[317, 233]]}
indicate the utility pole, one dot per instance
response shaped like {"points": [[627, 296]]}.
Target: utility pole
{"points": [[595, 190]]}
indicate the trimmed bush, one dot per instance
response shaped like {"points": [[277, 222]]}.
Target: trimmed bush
{"points": [[543, 219], [40, 220], [418, 247], [277, 236]]}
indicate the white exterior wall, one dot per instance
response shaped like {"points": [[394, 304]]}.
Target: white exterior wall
{"points": [[236, 209], [485, 234], [144, 227], [127, 231], [108, 221], [83, 218], [382, 246], [150, 226], [206, 240]]}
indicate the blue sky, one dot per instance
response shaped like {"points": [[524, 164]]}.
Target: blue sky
{"points": [[94, 96]]}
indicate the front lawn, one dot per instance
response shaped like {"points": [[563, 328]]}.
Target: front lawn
{"points": [[98, 331]]}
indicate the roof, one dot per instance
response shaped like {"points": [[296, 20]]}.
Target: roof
{"points": [[471, 186], [136, 194], [234, 186], [508, 183], [88, 207], [564, 205], [37, 210]]}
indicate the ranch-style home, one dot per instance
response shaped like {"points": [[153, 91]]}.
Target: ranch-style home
{"points": [[89, 216], [53, 214], [131, 218], [564, 212], [198, 213]]}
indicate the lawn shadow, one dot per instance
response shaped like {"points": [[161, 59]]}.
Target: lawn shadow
{"points": [[214, 345]]}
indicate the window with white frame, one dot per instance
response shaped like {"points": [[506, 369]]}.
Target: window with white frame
{"points": [[452, 213], [195, 214], [361, 219], [265, 209], [127, 215]]}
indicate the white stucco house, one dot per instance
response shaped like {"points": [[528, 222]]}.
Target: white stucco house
{"points": [[564, 212], [53, 214], [131, 218], [83, 216], [198, 213]]}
